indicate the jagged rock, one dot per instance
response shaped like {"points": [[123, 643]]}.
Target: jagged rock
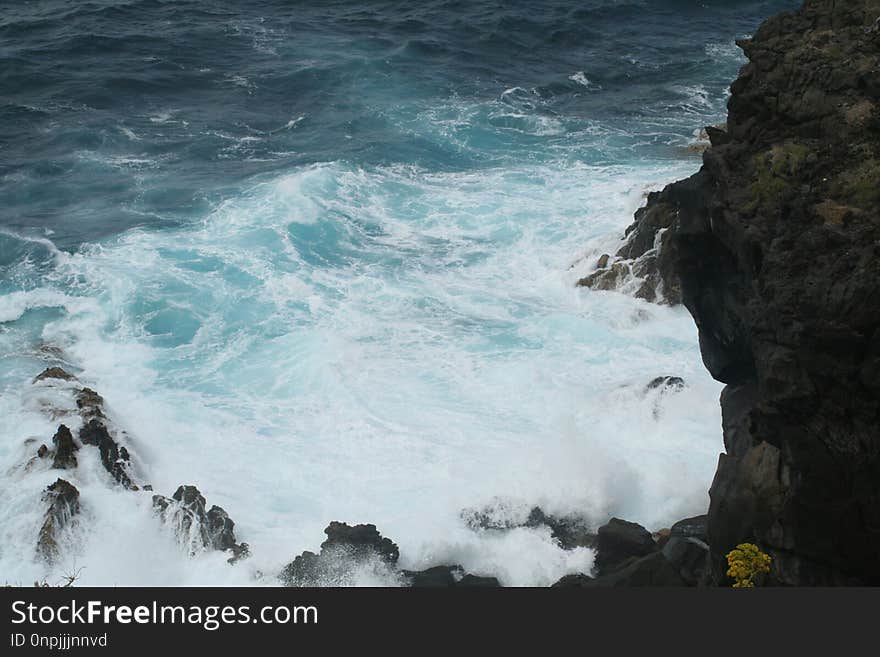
{"points": [[90, 404], [114, 458], [42, 451], [346, 548], [447, 577], [64, 449], [63, 499], [775, 247], [619, 540], [197, 528], [54, 373], [360, 539]]}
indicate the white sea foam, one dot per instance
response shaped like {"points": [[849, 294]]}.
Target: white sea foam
{"points": [[386, 345]]}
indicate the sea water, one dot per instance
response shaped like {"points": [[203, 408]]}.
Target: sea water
{"points": [[320, 260]]}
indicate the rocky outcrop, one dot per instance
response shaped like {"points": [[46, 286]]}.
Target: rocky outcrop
{"points": [[346, 549], [774, 248], [350, 548], [64, 449], [63, 500], [196, 528], [114, 457], [54, 373], [628, 556]]}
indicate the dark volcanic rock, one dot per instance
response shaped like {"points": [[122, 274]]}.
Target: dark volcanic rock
{"points": [[197, 528], [775, 247], [447, 577], [63, 499], [619, 541], [64, 449], [347, 547], [90, 403], [360, 540], [647, 571], [54, 373], [114, 458], [651, 570], [574, 581]]}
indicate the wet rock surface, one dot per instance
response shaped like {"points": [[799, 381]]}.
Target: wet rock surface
{"points": [[63, 500], [618, 541], [65, 449], [774, 248], [352, 548], [199, 528]]}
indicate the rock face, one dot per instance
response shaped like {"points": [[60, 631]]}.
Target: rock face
{"points": [[774, 248]]}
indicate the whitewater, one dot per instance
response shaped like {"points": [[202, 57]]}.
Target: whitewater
{"points": [[326, 271]]}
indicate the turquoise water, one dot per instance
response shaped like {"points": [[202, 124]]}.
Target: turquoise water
{"points": [[320, 261]]}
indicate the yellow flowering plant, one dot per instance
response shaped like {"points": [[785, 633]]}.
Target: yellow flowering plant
{"points": [[745, 563]]}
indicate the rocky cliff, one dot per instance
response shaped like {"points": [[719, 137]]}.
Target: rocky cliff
{"points": [[774, 248]]}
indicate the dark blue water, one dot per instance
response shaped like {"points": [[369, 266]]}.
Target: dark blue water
{"points": [[320, 260]]}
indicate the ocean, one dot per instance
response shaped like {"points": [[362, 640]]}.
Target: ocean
{"points": [[320, 261]]}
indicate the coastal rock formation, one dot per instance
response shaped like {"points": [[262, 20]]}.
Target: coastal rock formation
{"points": [[114, 457], [774, 248], [197, 528], [64, 449], [350, 548], [347, 547], [63, 499]]}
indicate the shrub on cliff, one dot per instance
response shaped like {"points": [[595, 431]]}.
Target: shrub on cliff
{"points": [[745, 563]]}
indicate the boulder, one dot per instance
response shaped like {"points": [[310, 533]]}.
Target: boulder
{"points": [[619, 540]]}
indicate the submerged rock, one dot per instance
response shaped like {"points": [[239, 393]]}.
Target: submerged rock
{"points": [[569, 531], [63, 499], [665, 383]]}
